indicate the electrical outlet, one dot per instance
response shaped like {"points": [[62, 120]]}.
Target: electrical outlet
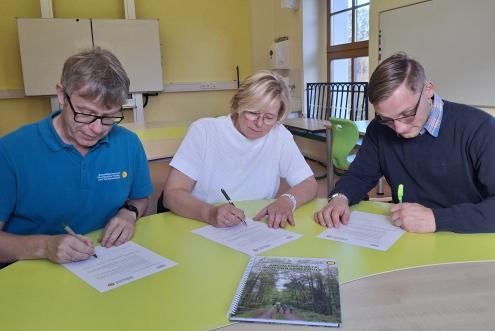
{"points": [[208, 85]]}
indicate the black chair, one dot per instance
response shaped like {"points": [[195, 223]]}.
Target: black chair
{"points": [[339, 100], [160, 208]]}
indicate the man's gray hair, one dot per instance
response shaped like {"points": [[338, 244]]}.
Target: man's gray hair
{"points": [[98, 75]]}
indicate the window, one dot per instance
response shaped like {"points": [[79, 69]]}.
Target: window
{"points": [[348, 34]]}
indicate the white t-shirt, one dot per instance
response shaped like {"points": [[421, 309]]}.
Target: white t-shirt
{"points": [[216, 155]]}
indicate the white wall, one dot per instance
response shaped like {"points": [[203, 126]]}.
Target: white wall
{"points": [[314, 42]]}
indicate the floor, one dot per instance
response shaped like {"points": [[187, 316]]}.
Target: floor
{"points": [[159, 172]]}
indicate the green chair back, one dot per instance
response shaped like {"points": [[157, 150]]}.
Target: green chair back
{"points": [[345, 135]]}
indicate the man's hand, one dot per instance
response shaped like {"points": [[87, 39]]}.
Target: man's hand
{"points": [[279, 213], [413, 217], [334, 214], [67, 248], [119, 229], [226, 215]]}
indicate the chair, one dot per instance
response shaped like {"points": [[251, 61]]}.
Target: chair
{"points": [[345, 135], [338, 100]]}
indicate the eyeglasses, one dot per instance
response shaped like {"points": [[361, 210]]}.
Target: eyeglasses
{"points": [[89, 118], [267, 118], [406, 118]]}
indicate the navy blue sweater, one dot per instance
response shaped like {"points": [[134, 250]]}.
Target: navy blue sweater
{"points": [[453, 174]]}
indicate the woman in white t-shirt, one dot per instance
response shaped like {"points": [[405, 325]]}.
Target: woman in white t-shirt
{"points": [[245, 153]]}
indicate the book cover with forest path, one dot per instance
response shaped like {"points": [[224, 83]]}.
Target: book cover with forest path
{"points": [[288, 290]]}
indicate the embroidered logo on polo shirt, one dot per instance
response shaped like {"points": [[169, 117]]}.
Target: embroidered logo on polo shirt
{"points": [[111, 176]]}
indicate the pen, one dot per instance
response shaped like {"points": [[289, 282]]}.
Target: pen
{"points": [[400, 192], [72, 233], [230, 201]]}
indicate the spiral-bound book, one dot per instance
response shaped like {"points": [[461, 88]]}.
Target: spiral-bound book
{"points": [[288, 290]]}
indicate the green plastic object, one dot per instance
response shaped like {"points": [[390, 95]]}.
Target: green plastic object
{"points": [[345, 135], [400, 192]]}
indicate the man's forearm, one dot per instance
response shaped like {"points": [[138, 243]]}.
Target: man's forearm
{"points": [[14, 247]]}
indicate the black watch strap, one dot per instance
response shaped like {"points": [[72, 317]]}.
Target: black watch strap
{"points": [[131, 207]]}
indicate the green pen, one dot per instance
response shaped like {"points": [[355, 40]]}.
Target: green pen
{"points": [[400, 192]]}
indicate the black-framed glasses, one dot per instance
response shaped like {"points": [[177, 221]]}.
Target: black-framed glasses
{"points": [[89, 118], [404, 118]]}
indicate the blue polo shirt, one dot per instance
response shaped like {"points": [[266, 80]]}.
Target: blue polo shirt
{"points": [[45, 182]]}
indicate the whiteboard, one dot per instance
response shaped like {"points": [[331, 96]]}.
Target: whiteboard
{"points": [[136, 43], [453, 40], [44, 45]]}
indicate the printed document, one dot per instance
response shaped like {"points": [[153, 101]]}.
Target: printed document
{"points": [[366, 230], [116, 266], [252, 239]]}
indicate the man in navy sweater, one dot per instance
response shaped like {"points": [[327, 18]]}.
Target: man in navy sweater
{"points": [[442, 152]]}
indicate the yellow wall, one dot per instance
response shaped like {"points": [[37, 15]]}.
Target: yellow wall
{"points": [[270, 21], [16, 112], [200, 41]]}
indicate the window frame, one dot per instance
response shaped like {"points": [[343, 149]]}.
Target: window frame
{"points": [[351, 50]]}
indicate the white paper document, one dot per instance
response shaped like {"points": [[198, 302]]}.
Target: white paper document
{"points": [[366, 230], [252, 239], [116, 266]]}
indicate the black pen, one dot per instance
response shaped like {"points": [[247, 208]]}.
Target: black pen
{"points": [[72, 233], [230, 201]]}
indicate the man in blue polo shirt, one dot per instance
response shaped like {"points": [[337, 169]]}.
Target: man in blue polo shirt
{"points": [[441, 152], [75, 167]]}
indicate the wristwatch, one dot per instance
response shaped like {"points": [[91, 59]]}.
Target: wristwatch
{"points": [[292, 199], [132, 208], [338, 194]]}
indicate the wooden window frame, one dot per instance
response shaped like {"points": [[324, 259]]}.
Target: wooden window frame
{"points": [[350, 50]]}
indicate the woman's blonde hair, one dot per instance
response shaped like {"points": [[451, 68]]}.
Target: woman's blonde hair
{"points": [[263, 87]]}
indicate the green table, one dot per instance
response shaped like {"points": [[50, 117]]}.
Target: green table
{"points": [[160, 139], [196, 294]]}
